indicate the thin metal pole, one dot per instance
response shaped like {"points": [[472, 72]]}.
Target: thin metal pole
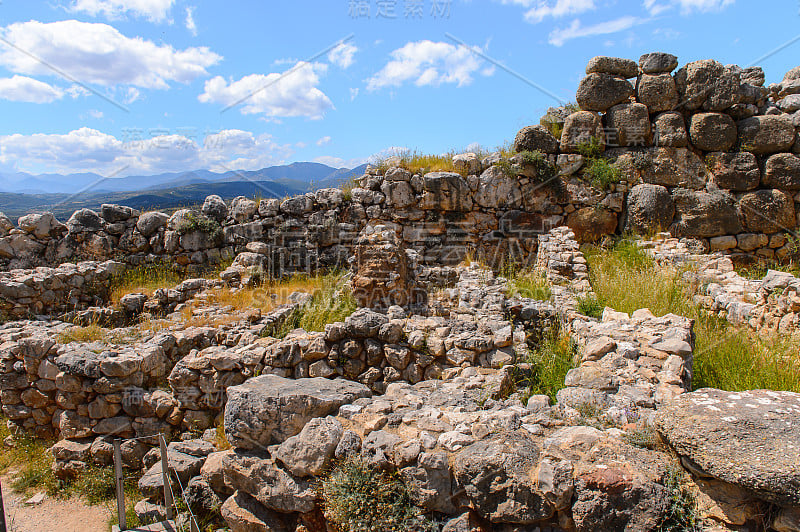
{"points": [[120, 484], [168, 503]]}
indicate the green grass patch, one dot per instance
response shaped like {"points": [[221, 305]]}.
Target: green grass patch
{"points": [[357, 497], [528, 284], [590, 306], [331, 301], [625, 278], [549, 362]]}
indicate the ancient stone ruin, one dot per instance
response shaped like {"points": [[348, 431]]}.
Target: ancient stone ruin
{"points": [[422, 380]]}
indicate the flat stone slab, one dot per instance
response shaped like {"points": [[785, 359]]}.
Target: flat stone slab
{"points": [[750, 439], [270, 409]]}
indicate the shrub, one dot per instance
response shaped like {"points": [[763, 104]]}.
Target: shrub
{"points": [[195, 222], [602, 174], [590, 306], [591, 149], [681, 512], [549, 363], [358, 497], [331, 301]]}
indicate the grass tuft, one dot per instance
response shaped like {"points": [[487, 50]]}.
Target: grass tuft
{"points": [[725, 357], [529, 284], [590, 306], [550, 363], [331, 301], [681, 512]]}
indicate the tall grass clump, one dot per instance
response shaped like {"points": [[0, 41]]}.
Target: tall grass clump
{"points": [[28, 462], [681, 513], [331, 301], [358, 497], [625, 278], [144, 279], [549, 362], [528, 284]]}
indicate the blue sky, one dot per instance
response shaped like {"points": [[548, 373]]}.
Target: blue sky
{"points": [[122, 87]]}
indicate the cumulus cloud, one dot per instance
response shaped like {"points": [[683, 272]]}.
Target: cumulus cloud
{"points": [[559, 36], [428, 63], [190, 24], [25, 89], [293, 93], [556, 9], [343, 55], [324, 140], [153, 10], [99, 53], [89, 150]]}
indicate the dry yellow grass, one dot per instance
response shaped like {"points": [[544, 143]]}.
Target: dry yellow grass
{"points": [[417, 162]]}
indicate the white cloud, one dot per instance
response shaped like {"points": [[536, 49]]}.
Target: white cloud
{"points": [[324, 140], [89, 150], [353, 93], [190, 24], [338, 162], [99, 53], [94, 113], [556, 9], [428, 63], [154, 10], [559, 36], [342, 55], [686, 7], [25, 89], [293, 93]]}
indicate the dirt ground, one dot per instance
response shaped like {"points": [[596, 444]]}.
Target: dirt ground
{"points": [[71, 515]]}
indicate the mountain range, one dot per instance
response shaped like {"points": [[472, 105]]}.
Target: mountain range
{"points": [[22, 193]]}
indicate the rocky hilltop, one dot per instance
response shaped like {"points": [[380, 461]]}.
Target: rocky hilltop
{"points": [[424, 383]]}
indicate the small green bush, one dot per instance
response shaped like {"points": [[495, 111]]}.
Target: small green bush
{"points": [[360, 498], [549, 362], [590, 306], [602, 174], [681, 512], [591, 149], [332, 302], [529, 284], [195, 222]]}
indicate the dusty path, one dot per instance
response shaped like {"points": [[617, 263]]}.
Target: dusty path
{"points": [[71, 515]]}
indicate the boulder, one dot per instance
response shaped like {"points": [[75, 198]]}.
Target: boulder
{"points": [[736, 171], [496, 475], [6, 224], [657, 63], [268, 483], [598, 92], [535, 138], [467, 164], [243, 209], [712, 131], [150, 222], [704, 214], [782, 171], [631, 122], [767, 134], [328, 198], [616, 66], [767, 211], [748, 439], [184, 466], [496, 190], [269, 408], [657, 92], [242, 513], [116, 213], [214, 207], [447, 191], [84, 220], [590, 224], [40, 225], [310, 452], [707, 84], [579, 129], [675, 167], [669, 130]]}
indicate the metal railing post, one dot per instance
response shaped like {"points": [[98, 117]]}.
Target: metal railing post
{"points": [[168, 502], [120, 484]]}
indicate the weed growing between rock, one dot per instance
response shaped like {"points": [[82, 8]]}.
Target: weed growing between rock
{"points": [[590, 306], [549, 362], [626, 279], [681, 513], [528, 284], [360, 498], [332, 301]]}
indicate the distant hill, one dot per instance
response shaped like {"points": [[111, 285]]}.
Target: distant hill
{"points": [[64, 194]]}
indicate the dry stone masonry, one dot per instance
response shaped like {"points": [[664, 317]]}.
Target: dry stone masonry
{"points": [[424, 379]]}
